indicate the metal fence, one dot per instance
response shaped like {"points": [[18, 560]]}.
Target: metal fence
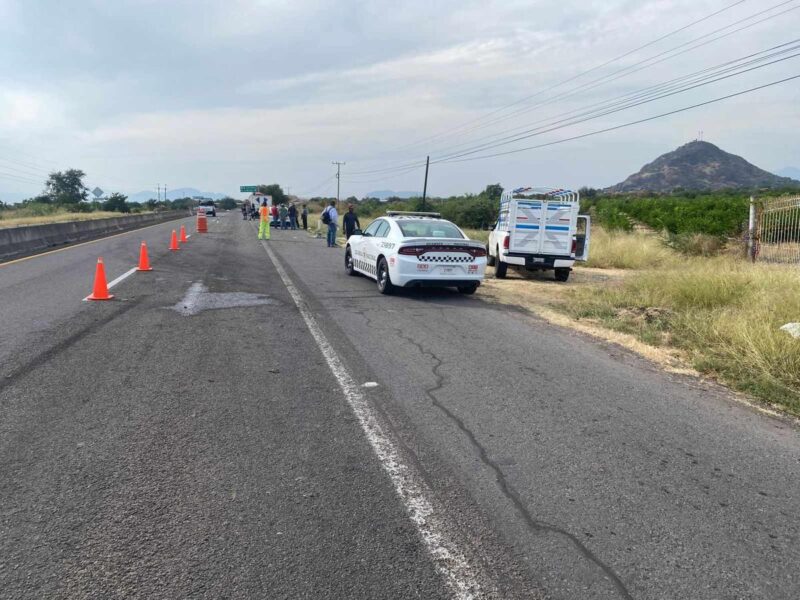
{"points": [[775, 230]]}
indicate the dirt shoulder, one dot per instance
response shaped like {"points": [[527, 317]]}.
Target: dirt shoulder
{"points": [[541, 295]]}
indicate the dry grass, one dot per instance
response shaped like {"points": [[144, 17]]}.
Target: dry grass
{"points": [[720, 316], [635, 250], [725, 314], [8, 218]]}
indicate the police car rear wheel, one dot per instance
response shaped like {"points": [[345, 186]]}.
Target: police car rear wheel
{"points": [[385, 285], [468, 289], [490, 260], [348, 263]]}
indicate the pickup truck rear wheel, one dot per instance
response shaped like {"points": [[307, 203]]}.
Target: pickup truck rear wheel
{"points": [[490, 260], [500, 267], [562, 274]]}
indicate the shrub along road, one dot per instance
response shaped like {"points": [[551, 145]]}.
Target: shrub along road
{"points": [[190, 439]]}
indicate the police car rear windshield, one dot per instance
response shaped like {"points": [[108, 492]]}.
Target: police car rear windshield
{"points": [[429, 229]]}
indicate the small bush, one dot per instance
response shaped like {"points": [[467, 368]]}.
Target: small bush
{"points": [[696, 244]]}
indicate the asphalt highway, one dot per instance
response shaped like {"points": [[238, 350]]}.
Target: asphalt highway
{"points": [[247, 421]]}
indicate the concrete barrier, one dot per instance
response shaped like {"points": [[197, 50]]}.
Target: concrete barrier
{"points": [[16, 242]]}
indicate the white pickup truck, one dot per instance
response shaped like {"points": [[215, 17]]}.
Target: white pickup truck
{"points": [[539, 229]]}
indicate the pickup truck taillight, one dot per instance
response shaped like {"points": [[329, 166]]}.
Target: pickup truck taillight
{"points": [[506, 241], [574, 246]]}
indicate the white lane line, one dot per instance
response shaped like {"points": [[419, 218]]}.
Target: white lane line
{"points": [[111, 284], [449, 560]]}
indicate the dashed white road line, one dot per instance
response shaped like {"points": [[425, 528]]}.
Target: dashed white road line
{"points": [[449, 560], [111, 284]]}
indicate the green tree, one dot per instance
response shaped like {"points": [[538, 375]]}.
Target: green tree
{"points": [[274, 190], [493, 192], [227, 203], [116, 202], [66, 187]]}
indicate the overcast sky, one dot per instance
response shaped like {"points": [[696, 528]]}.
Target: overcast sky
{"points": [[215, 94]]}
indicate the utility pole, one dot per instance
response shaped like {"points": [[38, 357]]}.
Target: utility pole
{"points": [[338, 176], [165, 192], [425, 187]]}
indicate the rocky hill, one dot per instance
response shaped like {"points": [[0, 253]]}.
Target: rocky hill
{"points": [[700, 166]]}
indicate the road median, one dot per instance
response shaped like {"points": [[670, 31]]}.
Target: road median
{"points": [[16, 242]]}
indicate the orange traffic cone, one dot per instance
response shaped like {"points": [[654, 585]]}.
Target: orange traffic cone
{"points": [[100, 291], [184, 239], [144, 260], [202, 223], [173, 244]]}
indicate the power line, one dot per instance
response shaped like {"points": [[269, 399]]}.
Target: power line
{"points": [[650, 61], [624, 125], [318, 186], [617, 75], [579, 75], [614, 108]]}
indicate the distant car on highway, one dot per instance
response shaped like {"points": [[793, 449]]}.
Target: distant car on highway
{"points": [[413, 249], [208, 206]]}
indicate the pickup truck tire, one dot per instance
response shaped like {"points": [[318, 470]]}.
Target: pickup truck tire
{"points": [[500, 268], [490, 260], [385, 285], [562, 274]]}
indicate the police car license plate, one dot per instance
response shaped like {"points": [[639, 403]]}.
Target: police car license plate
{"points": [[448, 270]]}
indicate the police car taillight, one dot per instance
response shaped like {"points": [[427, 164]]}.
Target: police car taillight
{"points": [[411, 250]]}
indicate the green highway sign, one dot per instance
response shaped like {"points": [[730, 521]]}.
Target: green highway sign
{"points": [[248, 188]]}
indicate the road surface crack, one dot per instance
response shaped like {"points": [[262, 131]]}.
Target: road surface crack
{"points": [[505, 487]]}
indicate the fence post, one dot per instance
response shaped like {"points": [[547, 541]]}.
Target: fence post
{"points": [[751, 230]]}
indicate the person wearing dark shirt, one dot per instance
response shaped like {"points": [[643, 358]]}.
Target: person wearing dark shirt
{"points": [[293, 216], [350, 222], [304, 216]]}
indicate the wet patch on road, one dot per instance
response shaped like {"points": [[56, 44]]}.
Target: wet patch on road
{"points": [[199, 299]]}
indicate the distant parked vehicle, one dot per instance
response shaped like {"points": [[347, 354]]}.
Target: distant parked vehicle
{"points": [[539, 229], [208, 206], [406, 249]]}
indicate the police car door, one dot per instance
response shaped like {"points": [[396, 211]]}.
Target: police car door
{"points": [[364, 252]]}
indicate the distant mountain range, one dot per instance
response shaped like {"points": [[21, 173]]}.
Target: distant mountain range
{"points": [[700, 166], [384, 194], [174, 194]]}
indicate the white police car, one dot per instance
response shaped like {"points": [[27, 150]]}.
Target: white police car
{"points": [[406, 249]]}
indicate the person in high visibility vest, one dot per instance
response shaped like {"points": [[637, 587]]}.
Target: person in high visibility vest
{"points": [[263, 227]]}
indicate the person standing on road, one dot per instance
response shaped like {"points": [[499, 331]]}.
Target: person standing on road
{"points": [[263, 226], [283, 212], [293, 216], [304, 216], [350, 222], [275, 214], [330, 218]]}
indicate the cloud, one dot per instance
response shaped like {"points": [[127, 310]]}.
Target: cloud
{"points": [[140, 90]]}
